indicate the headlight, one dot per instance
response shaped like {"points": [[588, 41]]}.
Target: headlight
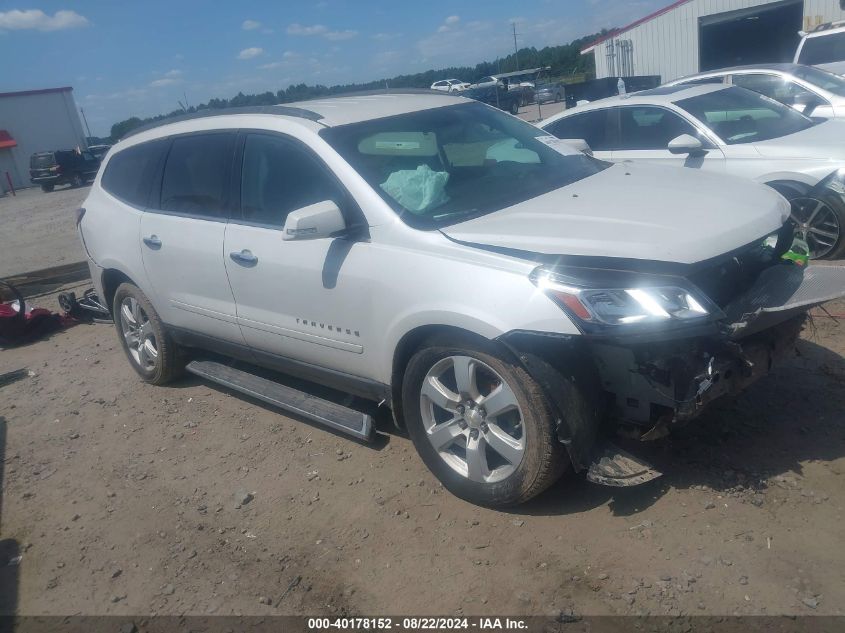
{"points": [[642, 300]]}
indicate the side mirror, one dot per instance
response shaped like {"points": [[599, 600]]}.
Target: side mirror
{"points": [[580, 144], [316, 221], [686, 144]]}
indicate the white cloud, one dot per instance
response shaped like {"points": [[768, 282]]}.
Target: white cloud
{"points": [[321, 30], [336, 36], [460, 44], [385, 37], [249, 53], [453, 19], [166, 81], [298, 29], [16, 20], [250, 25], [169, 78]]}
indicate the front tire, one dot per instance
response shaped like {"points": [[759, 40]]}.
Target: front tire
{"points": [[480, 423], [77, 181], [47, 188], [514, 108], [819, 218], [820, 221], [149, 348]]}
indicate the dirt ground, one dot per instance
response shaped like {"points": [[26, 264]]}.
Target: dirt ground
{"points": [[123, 498], [38, 230]]}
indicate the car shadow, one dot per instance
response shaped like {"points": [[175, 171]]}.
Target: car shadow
{"points": [[9, 548], [795, 414]]}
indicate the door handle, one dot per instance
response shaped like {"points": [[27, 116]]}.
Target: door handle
{"points": [[152, 241], [244, 257]]}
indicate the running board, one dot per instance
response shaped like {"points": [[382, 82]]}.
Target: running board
{"points": [[618, 468], [330, 414]]}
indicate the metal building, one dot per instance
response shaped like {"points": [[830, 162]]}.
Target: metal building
{"points": [[35, 121], [691, 36]]}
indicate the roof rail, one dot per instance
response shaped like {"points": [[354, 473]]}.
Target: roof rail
{"points": [[279, 110], [827, 26]]}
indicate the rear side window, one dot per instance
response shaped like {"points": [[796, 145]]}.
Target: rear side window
{"points": [[39, 161], [278, 177], [129, 173], [196, 175], [593, 127], [823, 49]]}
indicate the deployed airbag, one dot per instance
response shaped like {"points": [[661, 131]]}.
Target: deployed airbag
{"points": [[418, 190]]}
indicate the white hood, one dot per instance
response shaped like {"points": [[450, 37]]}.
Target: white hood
{"points": [[825, 141], [635, 211]]}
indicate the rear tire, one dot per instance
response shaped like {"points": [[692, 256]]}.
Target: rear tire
{"points": [[514, 108], [147, 344], [47, 188], [501, 457]]}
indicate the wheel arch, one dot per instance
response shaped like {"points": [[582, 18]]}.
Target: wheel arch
{"points": [[787, 179], [408, 345], [112, 278]]}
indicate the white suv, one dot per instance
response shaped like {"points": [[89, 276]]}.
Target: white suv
{"points": [[824, 47], [505, 295], [450, 85]]}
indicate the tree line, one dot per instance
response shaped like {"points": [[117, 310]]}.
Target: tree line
{"points": [[564, 60]]}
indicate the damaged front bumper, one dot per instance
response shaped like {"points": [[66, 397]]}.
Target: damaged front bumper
{"points": [[655, 384], [644, 385]]}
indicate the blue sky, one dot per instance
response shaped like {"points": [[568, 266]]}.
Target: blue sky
{"points": [[140, 57]]}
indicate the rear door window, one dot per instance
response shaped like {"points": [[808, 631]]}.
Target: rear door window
{"points": [[196, 175], [595, 127], [129, 173]]}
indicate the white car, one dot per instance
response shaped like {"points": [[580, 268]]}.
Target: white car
{"points": [[450, 85], [727, 130], [505, 295], [810, 90], [487, 82], [824, 47]]}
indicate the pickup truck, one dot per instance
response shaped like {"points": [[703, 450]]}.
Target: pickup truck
{"points": [[502, 98]]}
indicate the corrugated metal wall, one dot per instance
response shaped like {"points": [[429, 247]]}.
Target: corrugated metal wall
{"points": [[668, 44], [38, 122]]}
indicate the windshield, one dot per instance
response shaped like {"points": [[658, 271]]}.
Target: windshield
{"points": [[446, 165], [823, 49], [823, 79], [740, 116]]}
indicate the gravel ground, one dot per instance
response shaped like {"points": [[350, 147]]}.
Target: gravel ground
{"points": [[38, 230], [123, 498]]}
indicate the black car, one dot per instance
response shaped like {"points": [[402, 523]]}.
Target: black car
{"points": [[502, 98], [62, 167], [99, 150]]}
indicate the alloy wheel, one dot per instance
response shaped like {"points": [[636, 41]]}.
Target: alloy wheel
{"points": [[472, 419], [138, 334], [817, 224]]}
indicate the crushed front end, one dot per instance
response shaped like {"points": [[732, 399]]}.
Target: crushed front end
{"points": [[661, 342]]}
